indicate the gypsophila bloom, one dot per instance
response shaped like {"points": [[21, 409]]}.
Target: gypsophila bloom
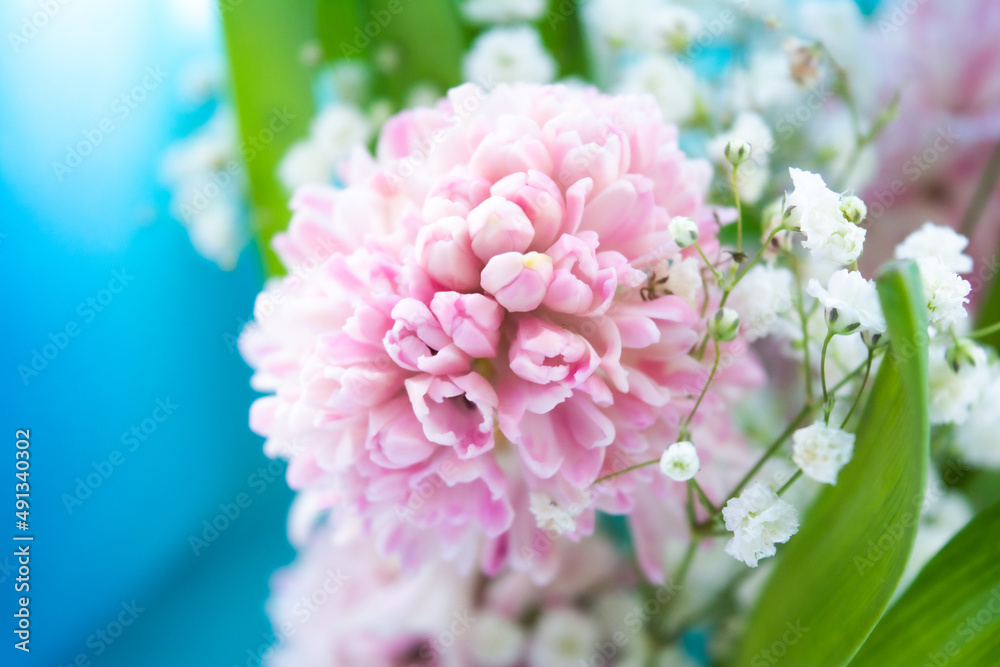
{"points": [[564, 638], [680, 462], [851, 303], [937, 241], [684, 280], [465, 326], [854, 209], [754, 173], [761, 297], [549, 515], [684, 231], [509, 55], [497, 641], [674, 85], [821, 451], [737, 151], [815, 210], [976, 439], [724, 325], [336, 131], [946, 292], [954, 392], [759, 519], [502, 11]]}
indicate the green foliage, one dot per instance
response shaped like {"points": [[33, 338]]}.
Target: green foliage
{"points": [[834, 579]]}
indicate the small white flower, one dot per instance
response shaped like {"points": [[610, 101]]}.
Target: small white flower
{"points": [[684, 231], [563, 638], [976, 439], [680, 462], [507, 55], [549, 516], [672, 84], [724, 325], [304, 163], [854, 209], [936, 241], [759, 519], [952, 394], [815, 210], [338, 129], [497, 641], [821, 451], [753, 174], [684, 280], [851, 302], [945, 292], [737, 151], [761, 297], [502, 11]]}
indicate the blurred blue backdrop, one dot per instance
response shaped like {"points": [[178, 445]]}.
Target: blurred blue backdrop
{"points": [[166, 335]]}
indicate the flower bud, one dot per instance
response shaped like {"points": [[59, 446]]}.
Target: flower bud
{"points": [[964, 352], [684, 231], [680, 462], [737, 152], [724, 325], [854, 209], [518, 282], [497, 226]]}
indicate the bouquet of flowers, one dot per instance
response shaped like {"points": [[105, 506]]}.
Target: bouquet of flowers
{"points": [[573, 350]]}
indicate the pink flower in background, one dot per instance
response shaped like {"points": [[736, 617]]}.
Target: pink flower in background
{"points": [[340, 604], [468, 338], [943, 59]]}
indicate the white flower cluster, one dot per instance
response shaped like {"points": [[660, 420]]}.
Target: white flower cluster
{"points": [[207, 183], [334, 134], [507, 55], [759, 519], [938, 252], [817, 212], [821, 451]]}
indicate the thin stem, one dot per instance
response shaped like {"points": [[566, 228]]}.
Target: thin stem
{"points": [[739, 212], [987, 181], [985, 331], [784, 487], [704, 390], [861, 390], [760, 253], [822, 374], [705, 502], [625, 470], [803, 413], [692, 519], [801, 309], [715, 272]]}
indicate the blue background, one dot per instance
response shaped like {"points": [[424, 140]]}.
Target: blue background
{"points": [[167, 334]]}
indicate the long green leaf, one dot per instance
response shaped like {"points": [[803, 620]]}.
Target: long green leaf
{"points": [[835, 578], [951, 613], [340, 28], [274, 101], [423, 39]]}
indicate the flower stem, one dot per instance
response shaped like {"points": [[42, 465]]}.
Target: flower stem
{"points": [[705, 502], [704, 390], [987, 181], [739, 211], [822, 375], [801, 309], [774, 446], [784, 487], [861, 389], [715, 272], [985, 331]]}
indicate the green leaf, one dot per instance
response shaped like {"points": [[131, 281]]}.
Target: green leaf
{"points": [[340, 28], [424, 41], [562, 32], [273, 95], [951, 613], [834, 579]]}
